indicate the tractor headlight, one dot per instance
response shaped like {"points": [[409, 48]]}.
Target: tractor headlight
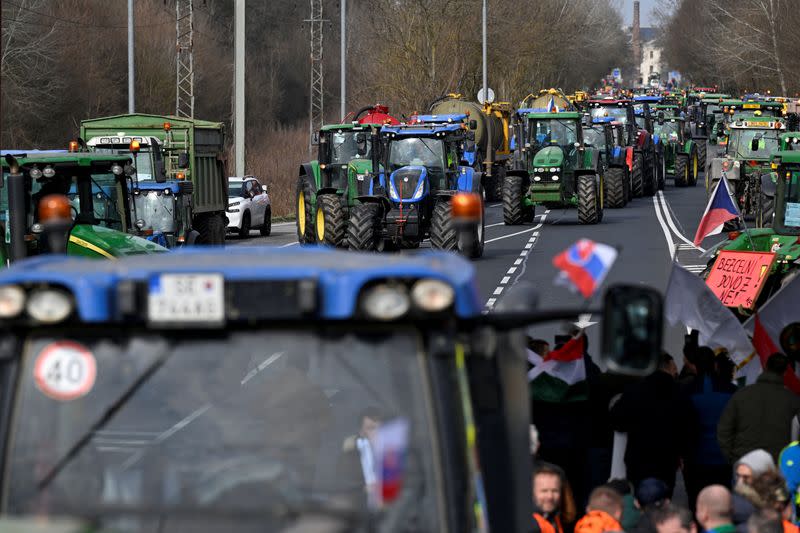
{"points": [[116, 169], [420, 190], [12, 301], [537, 178], [539, 170], [386, 302], [393, 193], [554, 177], [49, 306], [553, 169], [35, 173], [432, 295], [49, 171]]}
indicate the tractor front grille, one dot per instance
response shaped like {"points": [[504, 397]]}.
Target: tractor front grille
{"points": [[405, 182]]}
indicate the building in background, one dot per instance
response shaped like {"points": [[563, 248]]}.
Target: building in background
{"points": [[646, 52]]}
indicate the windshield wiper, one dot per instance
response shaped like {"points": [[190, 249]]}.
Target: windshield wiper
{"points": [[109, 413]]}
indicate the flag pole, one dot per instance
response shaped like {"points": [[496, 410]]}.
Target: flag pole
{"points": [[741, 217]]}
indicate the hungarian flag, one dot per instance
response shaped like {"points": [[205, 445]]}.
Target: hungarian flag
{"points": [[561, 375], [720, 209]]}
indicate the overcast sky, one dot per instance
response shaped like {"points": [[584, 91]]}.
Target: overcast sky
{"points": [[645, 11]]}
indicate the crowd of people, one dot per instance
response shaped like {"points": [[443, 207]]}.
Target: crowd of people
{"points": [[620, 457]]}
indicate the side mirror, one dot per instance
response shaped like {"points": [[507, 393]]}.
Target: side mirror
{"points": [[183, 160], [473, 124], [315, 138], [361, 143], [264, 188], [632, 329]]}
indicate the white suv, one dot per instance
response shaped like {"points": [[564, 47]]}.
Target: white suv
{"points": [[248, 206]]}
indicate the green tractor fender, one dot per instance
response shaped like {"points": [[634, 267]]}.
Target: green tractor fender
{"points": [[312, 171], [590, 162], [688, 146]]}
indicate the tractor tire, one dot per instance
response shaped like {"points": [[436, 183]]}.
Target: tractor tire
{"points": [[650, 179], [766, 211], [637, 177], [662, 173], [443, 232], [472, 246], [494, 189], [589, 205], [514, 211], [364, 229], [266, 227], [244, 229], [304, 221], [614, 184], [681, 170], [211, 229], [330, 224], [701, 151], [694, 168]]}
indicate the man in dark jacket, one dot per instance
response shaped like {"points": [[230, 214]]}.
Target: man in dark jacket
{"points": [[658, 418], [760, 415]]}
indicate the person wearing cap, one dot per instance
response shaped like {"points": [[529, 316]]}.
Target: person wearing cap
{"points": [[651, 494], [744, 499], [759, 415]]}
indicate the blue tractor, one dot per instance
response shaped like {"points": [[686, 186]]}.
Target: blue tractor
{"points": [[424, 167], [255, 390]]}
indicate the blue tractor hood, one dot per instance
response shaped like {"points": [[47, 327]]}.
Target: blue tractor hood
{"points": [[409, 184]]}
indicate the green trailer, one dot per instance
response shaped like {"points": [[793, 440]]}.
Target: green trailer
{"points": [[98, 188], [173, 149]]}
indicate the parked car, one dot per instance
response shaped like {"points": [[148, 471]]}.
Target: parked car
{"points": [[248, 206]]}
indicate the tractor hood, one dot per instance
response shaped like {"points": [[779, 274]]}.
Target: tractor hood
{"points": [[552, 156], [360, 166], [97, 241]]}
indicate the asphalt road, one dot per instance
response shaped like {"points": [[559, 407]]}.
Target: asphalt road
{"points": [[648, 232]]}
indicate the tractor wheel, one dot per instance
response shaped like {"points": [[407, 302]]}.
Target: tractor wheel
{"points": [[305, 216], [681, 170], [363, 231], [244, 230], [443, 232], [494, 190], [614, 184], [627, 184], [650, 179], [694, 170], [589, 208], [473, 244], [662, 174], [329, 222], [701, 151], [266, 227], [514, 210], [211, 229], [766, 211], [636, 177]]}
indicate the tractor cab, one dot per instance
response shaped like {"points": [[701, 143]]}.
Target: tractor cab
{"points": [[681, 153], [161, 394], [643, 107], [96, 187], [158, 216], [425, 169]]}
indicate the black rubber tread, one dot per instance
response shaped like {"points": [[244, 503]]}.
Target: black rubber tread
{"points": [[200, 225], [692, 175], [335, 221], [494, 188], [650, 179], [701, 151], [266, 227], [588, 200], [363, 230], [304, 186], [637, 177], [443, 232], [477, 238], [681, 169], [662, 173], [217, 226], [513, 208], [614, 183], [244, 229]]}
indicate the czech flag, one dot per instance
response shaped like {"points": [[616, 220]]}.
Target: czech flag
{"points": [[720, 209], [551, 106], [585, 265]]}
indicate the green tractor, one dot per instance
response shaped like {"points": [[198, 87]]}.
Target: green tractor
{"points": [[94, 187], [560, 170], [681, 154], [328, 187]]}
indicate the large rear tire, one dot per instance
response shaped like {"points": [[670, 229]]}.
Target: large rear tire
{"points": [[304, 219], [589, 208], [694, 169], [494, 189], [681, 170], [636, 177], [363, 231], [330, 225], [514, 210], [443, 231], [650, 178], [701, 152], [615, 187], [211, 229]]}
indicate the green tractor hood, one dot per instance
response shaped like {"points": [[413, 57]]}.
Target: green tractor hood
{"points": [[552, 156], [100, 242]]}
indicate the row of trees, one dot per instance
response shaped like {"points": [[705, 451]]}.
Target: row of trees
{"points": [[65, 60], [740, 45]]}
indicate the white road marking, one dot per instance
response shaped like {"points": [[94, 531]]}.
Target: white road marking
{"points": [[534, 228], [521, 260], [671, 222], [665, 228], [287, 245]]}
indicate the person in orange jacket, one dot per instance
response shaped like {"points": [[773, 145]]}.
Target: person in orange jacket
{"points": [[603, 512], [554, 507]]}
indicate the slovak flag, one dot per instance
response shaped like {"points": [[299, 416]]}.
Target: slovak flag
{"points": [[585, 264], [720, 209]]}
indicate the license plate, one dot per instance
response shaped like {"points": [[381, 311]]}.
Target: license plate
{"points": [[186, 299]]}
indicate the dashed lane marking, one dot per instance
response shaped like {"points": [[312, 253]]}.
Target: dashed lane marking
{"points": [[534, 228]]}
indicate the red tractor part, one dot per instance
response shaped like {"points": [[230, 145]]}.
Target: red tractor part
{"points": [[375, 114]]}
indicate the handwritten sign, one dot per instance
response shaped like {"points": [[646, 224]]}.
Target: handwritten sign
{"points": [[738, 277]]}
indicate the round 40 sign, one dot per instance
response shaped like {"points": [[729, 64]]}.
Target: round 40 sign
{"points": [[65, 370]]}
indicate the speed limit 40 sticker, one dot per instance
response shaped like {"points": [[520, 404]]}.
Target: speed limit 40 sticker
{"points": [[65, 370]]}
